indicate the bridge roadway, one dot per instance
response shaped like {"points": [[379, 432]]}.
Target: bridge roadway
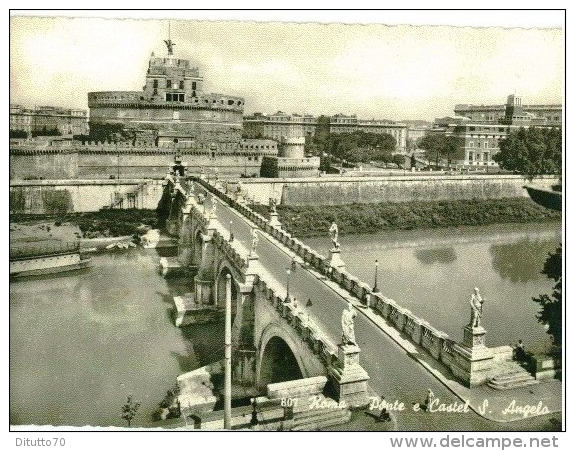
{"points": [[393, 373]]}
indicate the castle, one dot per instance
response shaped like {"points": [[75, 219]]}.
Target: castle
{"points": [[137, 134], [171, 108]]}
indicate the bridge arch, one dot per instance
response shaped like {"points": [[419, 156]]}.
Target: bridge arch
{"points": [[279, 358]]}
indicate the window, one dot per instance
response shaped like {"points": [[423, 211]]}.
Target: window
{"points": [[181, 84], [194, 85], [168, 84], [485, 144], [470, 156], [471, 144], [155, 84], [485, 156]]}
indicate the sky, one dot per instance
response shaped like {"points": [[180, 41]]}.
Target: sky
{"points": [[396, 68]]}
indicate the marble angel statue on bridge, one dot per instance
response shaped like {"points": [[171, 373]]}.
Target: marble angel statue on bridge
{"points": [[476, 303], [347, 325], [255, 240], [334, 233]]}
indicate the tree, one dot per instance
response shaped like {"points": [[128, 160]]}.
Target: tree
{"points": [[532, 151], [360, 146], [433, 145], [439, 146], [18, 134], [452, 149], [551, 313], [129, 410], [399, 160]]}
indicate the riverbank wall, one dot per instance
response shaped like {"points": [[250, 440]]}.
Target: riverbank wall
{"points": [[418, 187], [68, 196]]}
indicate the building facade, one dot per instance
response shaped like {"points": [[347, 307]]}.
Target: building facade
{"points": [[480, 134], [47, 119], [551, 115], [279, 125]]}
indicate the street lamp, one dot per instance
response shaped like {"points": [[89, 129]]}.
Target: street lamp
{"points": [[287, 299], [231, 233], [375, 289]]}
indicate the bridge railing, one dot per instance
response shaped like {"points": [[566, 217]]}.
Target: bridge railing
{"points": [[437, 343]]}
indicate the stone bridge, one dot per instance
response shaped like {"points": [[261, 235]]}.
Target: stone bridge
{"points": [[278, 339], [275, 339]]}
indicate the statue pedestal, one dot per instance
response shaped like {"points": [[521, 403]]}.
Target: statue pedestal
{"points": [[472, 360], [348, 378], [240, 198], [335, 259], [253, 262], [274, 221]]}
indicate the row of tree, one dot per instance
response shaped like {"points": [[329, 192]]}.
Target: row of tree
{"points": [[42, 132]]}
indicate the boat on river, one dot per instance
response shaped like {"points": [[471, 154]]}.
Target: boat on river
{"points": [[38, 258]]}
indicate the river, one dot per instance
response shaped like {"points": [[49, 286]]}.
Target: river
{"points": [[81, 342], [433, 273]]}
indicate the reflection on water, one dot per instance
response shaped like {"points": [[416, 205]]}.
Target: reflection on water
{"points": [[433, 273], [81, 342], [521, 261], [440, 255]]}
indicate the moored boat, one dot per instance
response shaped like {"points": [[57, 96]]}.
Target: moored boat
{"points": [[49, 257]]}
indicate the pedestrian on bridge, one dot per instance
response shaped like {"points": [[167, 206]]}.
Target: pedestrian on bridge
{"points": [[383, 413]]}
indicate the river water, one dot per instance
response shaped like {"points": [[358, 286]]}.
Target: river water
{"points": [[81, 342], [433, 273]]}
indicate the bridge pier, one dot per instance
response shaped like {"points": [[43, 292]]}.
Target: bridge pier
{"points": [[205, 278]]}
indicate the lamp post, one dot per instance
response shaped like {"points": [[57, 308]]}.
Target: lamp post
{"points": [[231, 233], [288, 272], [375, 289]]}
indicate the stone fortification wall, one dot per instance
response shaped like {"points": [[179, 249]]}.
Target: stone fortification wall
{"points": [[105, 161], [348, 190]]}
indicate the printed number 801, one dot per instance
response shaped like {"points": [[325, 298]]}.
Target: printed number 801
{"points": [[289, 402]]}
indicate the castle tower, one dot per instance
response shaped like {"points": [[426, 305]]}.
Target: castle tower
{"points": [[291, 160]]}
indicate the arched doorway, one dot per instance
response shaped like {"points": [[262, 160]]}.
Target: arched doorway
{"points": [[278, 363]]}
